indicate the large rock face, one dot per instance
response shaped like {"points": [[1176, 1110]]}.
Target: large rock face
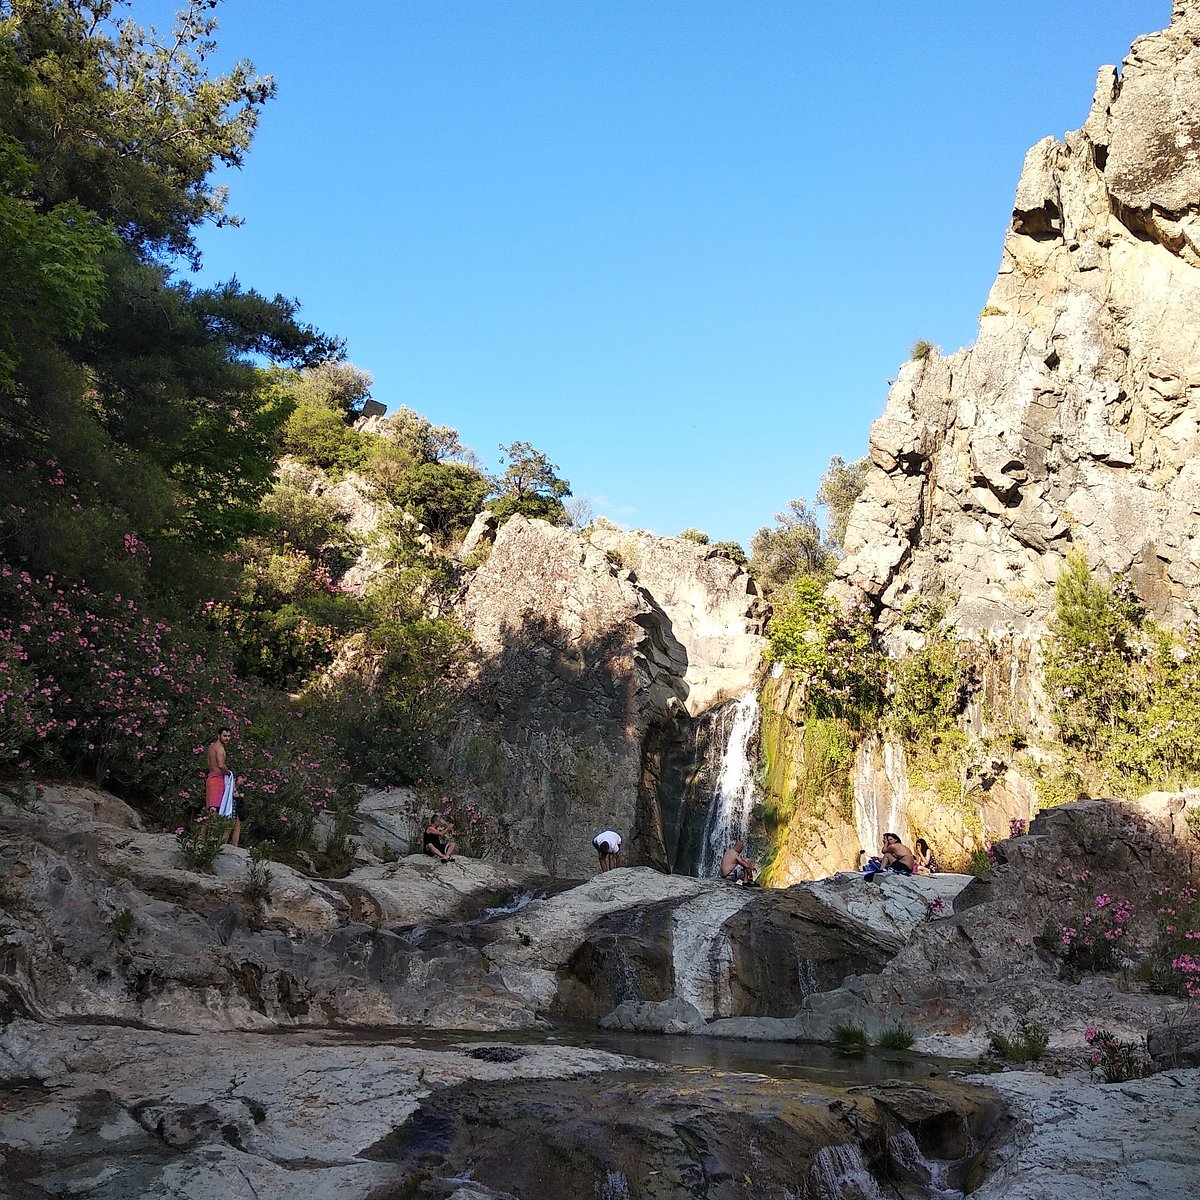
{"points": [[580, 670], [712, 604], [1075, 418]]}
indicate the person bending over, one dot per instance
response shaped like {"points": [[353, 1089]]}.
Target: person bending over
{"points": [[608, 846]]}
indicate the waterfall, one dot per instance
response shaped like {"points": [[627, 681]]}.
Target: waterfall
{"points": [[880, 794], [734, 792]]}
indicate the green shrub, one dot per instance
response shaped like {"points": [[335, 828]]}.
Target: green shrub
{"points": [[850, 1040], [833, 650], [122, 925], [922, 350], [898, 1037], [695, 535], [201, 839], [1028, 1045], [732, 551], [257, 887]]}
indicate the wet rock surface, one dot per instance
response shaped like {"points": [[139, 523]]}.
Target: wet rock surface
{"points": [[114, 1113]]}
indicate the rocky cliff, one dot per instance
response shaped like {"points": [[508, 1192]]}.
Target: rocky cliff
{"points": [[1072, 423], [1075, 417], [587, 652]]}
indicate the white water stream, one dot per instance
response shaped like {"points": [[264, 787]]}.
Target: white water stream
{"points": [[735, 793]]}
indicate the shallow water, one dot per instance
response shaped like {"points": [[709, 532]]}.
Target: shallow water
{"points": [[790, 1061]]}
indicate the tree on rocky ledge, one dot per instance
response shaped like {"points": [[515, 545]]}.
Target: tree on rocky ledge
{"points": [[530, 485]]}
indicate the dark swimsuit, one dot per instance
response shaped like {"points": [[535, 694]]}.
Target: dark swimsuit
{"points": [[436, 841]]}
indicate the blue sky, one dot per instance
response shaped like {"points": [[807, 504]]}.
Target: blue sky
{"points": [[681, 246]]}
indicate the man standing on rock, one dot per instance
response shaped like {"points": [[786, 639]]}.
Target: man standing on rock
{"points": [[218, 787], [608, 846], [735, 868]]}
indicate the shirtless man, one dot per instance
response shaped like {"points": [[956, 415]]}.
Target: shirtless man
{"points": [[215, 786], [734, 867], [896, 856]]}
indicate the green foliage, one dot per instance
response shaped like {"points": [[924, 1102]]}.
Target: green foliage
{"points": [[732, 551], [442, 496], [833, 650], [922, 350], [1125, 692], [897, 1037], [841, 485], [991, 310], [530, 485], [257, 888], [53, 280], [323, 401], [791, 551], [930, 687], [1092, 644], [201, 839], [128, 124], [122, 925], [695, 535], [1060, 786], [1027, 1045], [850, 1040]]}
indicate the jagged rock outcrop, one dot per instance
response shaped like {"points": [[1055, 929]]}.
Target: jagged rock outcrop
{"points": [[993, 956], [713, 605], [578, 669], [1075, 417]]}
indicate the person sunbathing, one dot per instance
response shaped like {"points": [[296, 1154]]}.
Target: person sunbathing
{"points": [[894, 857]]}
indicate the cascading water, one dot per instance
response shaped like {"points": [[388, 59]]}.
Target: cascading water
{"points": [[734, 794]]}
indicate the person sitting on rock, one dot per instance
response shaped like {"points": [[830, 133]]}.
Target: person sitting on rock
{"points": [[437, 838], [926, 863], [894, 856], [608, 847], [734, 867]]}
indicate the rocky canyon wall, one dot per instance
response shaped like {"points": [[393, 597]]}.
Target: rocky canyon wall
{"points": [[1075, 417], [1072, 422], [583, 670]]}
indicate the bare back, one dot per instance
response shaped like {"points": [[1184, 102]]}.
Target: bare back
{"points": [[216, 756]]}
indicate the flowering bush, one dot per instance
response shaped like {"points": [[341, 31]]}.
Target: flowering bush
{"points": [[1113, 1060], [1090, 940], [1173, 964], [91, 683]]}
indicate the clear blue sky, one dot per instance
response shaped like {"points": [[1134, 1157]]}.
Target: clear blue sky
{"points": [[679, 245]]}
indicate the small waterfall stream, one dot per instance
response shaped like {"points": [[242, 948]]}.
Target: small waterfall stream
{"points": [[735, 792]]}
